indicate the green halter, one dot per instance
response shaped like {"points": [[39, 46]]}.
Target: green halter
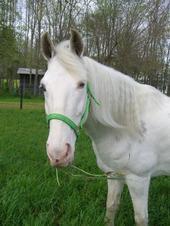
{"points": [[68, 121]]}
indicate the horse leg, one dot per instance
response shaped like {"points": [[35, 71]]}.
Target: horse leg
{"points": [[138, 188], [115, 188]]}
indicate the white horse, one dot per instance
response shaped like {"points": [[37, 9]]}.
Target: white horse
{"points": [[130, 129]]}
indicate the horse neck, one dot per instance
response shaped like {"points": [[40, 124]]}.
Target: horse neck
{"points": [[116, 94]]}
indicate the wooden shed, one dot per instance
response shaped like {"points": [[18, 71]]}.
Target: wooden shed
{"points": [[29, 82]]}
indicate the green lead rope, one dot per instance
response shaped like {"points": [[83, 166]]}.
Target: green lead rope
{"points": [[68, 121], [86, 175]]}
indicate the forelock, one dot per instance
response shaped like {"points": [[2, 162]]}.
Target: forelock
{"points": [[70, 61]]}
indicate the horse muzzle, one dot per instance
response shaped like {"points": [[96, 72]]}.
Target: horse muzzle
{"points": [[60, 158]]}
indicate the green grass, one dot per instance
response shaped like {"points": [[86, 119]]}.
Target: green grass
{"points": [[30, 196]]}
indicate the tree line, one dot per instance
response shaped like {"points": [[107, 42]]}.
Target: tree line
{"points": [[132, 36]]}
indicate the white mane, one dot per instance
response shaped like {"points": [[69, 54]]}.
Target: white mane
{"points": [[116, 94]]}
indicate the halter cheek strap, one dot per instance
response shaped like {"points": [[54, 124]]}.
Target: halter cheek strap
{"points": [[70, 122]]}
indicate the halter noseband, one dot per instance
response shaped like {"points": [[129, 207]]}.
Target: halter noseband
{"points": [[70, 122]]}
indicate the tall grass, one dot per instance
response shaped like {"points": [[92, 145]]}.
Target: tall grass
{"points": [[30, 196]]}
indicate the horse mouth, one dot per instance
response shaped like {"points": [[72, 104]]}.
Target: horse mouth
{"points": [[62, 164]]}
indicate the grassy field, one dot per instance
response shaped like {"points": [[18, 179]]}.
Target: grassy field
{"points": [[29, 194]]}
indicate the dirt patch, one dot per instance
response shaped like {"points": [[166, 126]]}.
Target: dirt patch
{"points": [[15, 105]]}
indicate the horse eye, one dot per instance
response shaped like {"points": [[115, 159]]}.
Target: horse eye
{"points": [[42, 87], [81, 85]]}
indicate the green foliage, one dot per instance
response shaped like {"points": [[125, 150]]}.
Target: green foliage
{"points": [[29, 195], [9, 59], [9, 55]]}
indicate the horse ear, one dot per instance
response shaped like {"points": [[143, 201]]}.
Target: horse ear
{"points": [[47, 46], [76, 42]]}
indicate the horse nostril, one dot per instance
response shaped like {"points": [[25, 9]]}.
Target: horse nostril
{"points": [[68, 149], [57, 160]]}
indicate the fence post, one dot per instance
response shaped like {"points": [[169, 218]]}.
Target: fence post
{"points": [[21, 92]]}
